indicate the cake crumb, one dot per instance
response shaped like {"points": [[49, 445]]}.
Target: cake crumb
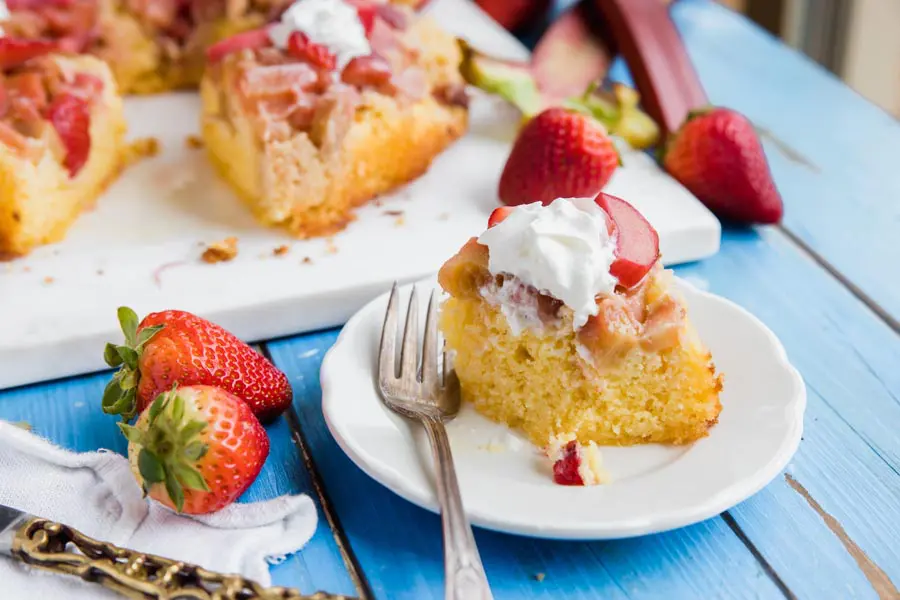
{"points": [[443, 216], [222, 251], [140, 149], [194, 142], [330, 247], [539, 577], [394, 213], [306, 260], [281, 250], [378, 202], [48, 280], [26, 269], [399, 222], [100, 271]]}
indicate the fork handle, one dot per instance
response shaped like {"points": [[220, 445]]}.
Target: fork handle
{"points": [[463, 572]]}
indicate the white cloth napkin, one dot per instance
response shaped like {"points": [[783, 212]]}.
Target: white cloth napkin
{"points": [[96, 493]]}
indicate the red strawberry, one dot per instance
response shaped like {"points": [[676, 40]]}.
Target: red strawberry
{"points": [[300, 46], [499, 214], [197, 449], [565, 469], [177, 347], [70, 115], [14, 51], [717, 156], [248, 40], [366, 11], [560, 153], [637, 242], [512, 14]]}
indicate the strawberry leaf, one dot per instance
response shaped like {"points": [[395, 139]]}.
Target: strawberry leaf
{"points": [[190, 478], [190, 431], [177, 409], [157, 407], [111, 355], [150, 467], [127, 380], [128, 355], [128, 320], [195, 451], [175, 491], [111, 395], [146, 334], [131, 433]]}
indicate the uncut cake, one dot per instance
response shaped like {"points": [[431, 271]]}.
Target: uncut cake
{"points": [[565, 326]]}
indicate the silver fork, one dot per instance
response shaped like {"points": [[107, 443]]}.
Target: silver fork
{"points": [[423, 394]]}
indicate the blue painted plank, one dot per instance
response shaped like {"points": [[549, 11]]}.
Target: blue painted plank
{"points": [[847, 206], [850, 456], [68, 413], [706, 560]]}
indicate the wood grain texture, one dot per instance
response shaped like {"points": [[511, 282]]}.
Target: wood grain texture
{"points": [[68, 413], [705, 560], [843, 198]]}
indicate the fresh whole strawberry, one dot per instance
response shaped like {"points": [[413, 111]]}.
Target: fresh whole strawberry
{"points": [[176, 347], [560, 153], [70, 115], [717, 156], [196, 449]]}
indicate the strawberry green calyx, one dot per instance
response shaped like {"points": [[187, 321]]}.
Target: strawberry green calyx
{"points": [[512, 81], [120, 392], [167, 444]]}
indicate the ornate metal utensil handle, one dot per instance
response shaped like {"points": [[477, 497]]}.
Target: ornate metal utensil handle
{"points": [[135, 575]]}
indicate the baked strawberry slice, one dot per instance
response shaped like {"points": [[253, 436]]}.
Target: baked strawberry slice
{"points": [[637, 242], [70, 115], [560, 153], [14, 51], [301, 47], [565, 467], [364, 71], [248, 40]]}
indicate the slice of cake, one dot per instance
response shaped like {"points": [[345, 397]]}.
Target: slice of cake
{"points": [[333, 105], [150, 45], [61, 140], [565, 326]]}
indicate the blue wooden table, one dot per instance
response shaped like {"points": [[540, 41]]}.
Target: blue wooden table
{"points": [[826, 282]]}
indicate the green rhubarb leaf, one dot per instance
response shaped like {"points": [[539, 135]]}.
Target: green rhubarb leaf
{"points": [[150, 467], [129, 323], [111, 355]]}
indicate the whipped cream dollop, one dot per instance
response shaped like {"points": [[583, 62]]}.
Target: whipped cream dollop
{"points": [[334, 24], [563, 249]]}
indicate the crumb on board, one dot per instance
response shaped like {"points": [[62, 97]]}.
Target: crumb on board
{"points": [[48, 280], [378, 202], [100, 271], [330, 247], [193, 141], [306, 260], [394, 213], [222, 251], [26, 269], [399, 222], [140, 149], [539, 577], [281, 250], [443, 216]]}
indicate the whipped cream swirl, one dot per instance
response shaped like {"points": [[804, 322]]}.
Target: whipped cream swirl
{"points": [[334, 24], [563, 249]]}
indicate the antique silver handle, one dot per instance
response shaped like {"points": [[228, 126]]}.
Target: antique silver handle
{"points": [[464, 576]]}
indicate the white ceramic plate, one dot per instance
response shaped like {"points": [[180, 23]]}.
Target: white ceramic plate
{"points": [[506, 482]]}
